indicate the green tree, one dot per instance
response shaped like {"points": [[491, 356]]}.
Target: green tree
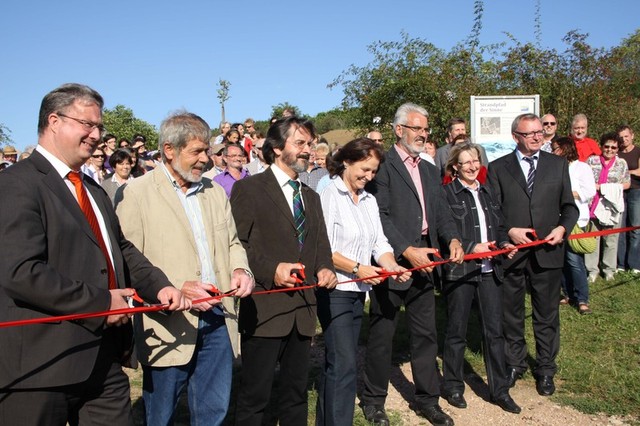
{"points": [[121, 122], [4, 135], [334, 119], [602, 83], [276, 110]]}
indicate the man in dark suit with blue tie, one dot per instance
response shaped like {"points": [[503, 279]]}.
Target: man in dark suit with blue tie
{"points": [[534, 191], [62, 253]]}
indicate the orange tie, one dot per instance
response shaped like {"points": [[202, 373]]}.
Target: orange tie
{"points": [[85, 205]]}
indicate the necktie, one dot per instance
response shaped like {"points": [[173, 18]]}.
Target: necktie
{"points": [[532, 173], [85, 205], [298, 211]]}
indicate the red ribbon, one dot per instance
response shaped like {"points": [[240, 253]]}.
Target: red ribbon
{"points": [[385, 274]]}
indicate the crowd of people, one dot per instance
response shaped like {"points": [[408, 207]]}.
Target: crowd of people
{"points": [[298, 233]]}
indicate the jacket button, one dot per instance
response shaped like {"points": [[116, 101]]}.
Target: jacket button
{"points": [[198, 273], [103, 271]]}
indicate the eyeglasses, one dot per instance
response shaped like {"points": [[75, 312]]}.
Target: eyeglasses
{"points": [[549, 123], [529, 135], [469, 163], [301, 144], [418, 129], [97, 156], [235, 156], [88, 125], [613, 147], [378, 140]]}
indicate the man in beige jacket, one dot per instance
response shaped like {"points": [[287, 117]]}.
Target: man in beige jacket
{"points": [[183, 224]]}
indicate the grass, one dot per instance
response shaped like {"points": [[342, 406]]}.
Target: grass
{"points": [[599, 360]]}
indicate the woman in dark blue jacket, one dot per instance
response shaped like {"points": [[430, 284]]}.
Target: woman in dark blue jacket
{"points": [[479, 222]]}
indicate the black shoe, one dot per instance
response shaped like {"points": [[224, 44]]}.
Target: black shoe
{"points": [[457, 400], [507, 404], [435, 415], [513, 375], [375, 414], [545, 386]]}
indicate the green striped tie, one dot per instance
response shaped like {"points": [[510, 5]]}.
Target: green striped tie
{"points": [[298, 212]]}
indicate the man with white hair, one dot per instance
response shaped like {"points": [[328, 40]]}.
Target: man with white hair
{"points": [[417, 220]]}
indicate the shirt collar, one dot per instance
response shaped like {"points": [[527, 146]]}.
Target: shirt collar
{"points": [[521, 156], [342, 187], [193, 186], [405, 157], [282, 178], [62, 169]]}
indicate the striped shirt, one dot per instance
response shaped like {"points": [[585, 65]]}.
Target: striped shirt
{"points": [[354, 230]]}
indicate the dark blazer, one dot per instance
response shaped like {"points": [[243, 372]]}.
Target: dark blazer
{"points": [[267, 231], [401, 213], [550, 204], [51, 264], [464, 210]]}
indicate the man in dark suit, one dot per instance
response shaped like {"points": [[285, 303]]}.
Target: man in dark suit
{"points": [[534, 191], [282, 235], [63, 253], [417, 221]]}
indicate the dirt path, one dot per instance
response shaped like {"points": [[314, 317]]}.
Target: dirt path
{"points": [[536, 410]]}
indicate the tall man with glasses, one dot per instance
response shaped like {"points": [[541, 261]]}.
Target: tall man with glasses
{"points": [[281, 225], [534, 191], [63, 253], [549, 127], [417, 221]]}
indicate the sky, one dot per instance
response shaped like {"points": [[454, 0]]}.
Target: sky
{"points": [[159, 56]]}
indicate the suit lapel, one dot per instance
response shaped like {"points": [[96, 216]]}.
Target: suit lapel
{"points": [[59, 188], [396, 162], [273, 191], [513, 167]]}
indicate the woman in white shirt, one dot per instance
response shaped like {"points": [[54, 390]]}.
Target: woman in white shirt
{"points": [[356, 236], [574, 285]]}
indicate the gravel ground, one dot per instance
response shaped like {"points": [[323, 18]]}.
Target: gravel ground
{"points": [[536, 410]]}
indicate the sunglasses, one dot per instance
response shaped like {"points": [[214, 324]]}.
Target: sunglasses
{"points": [[97, 156], [614, 147], [549, 123]]}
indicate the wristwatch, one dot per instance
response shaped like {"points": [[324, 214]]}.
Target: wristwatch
{"points": [[356, 268]]}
